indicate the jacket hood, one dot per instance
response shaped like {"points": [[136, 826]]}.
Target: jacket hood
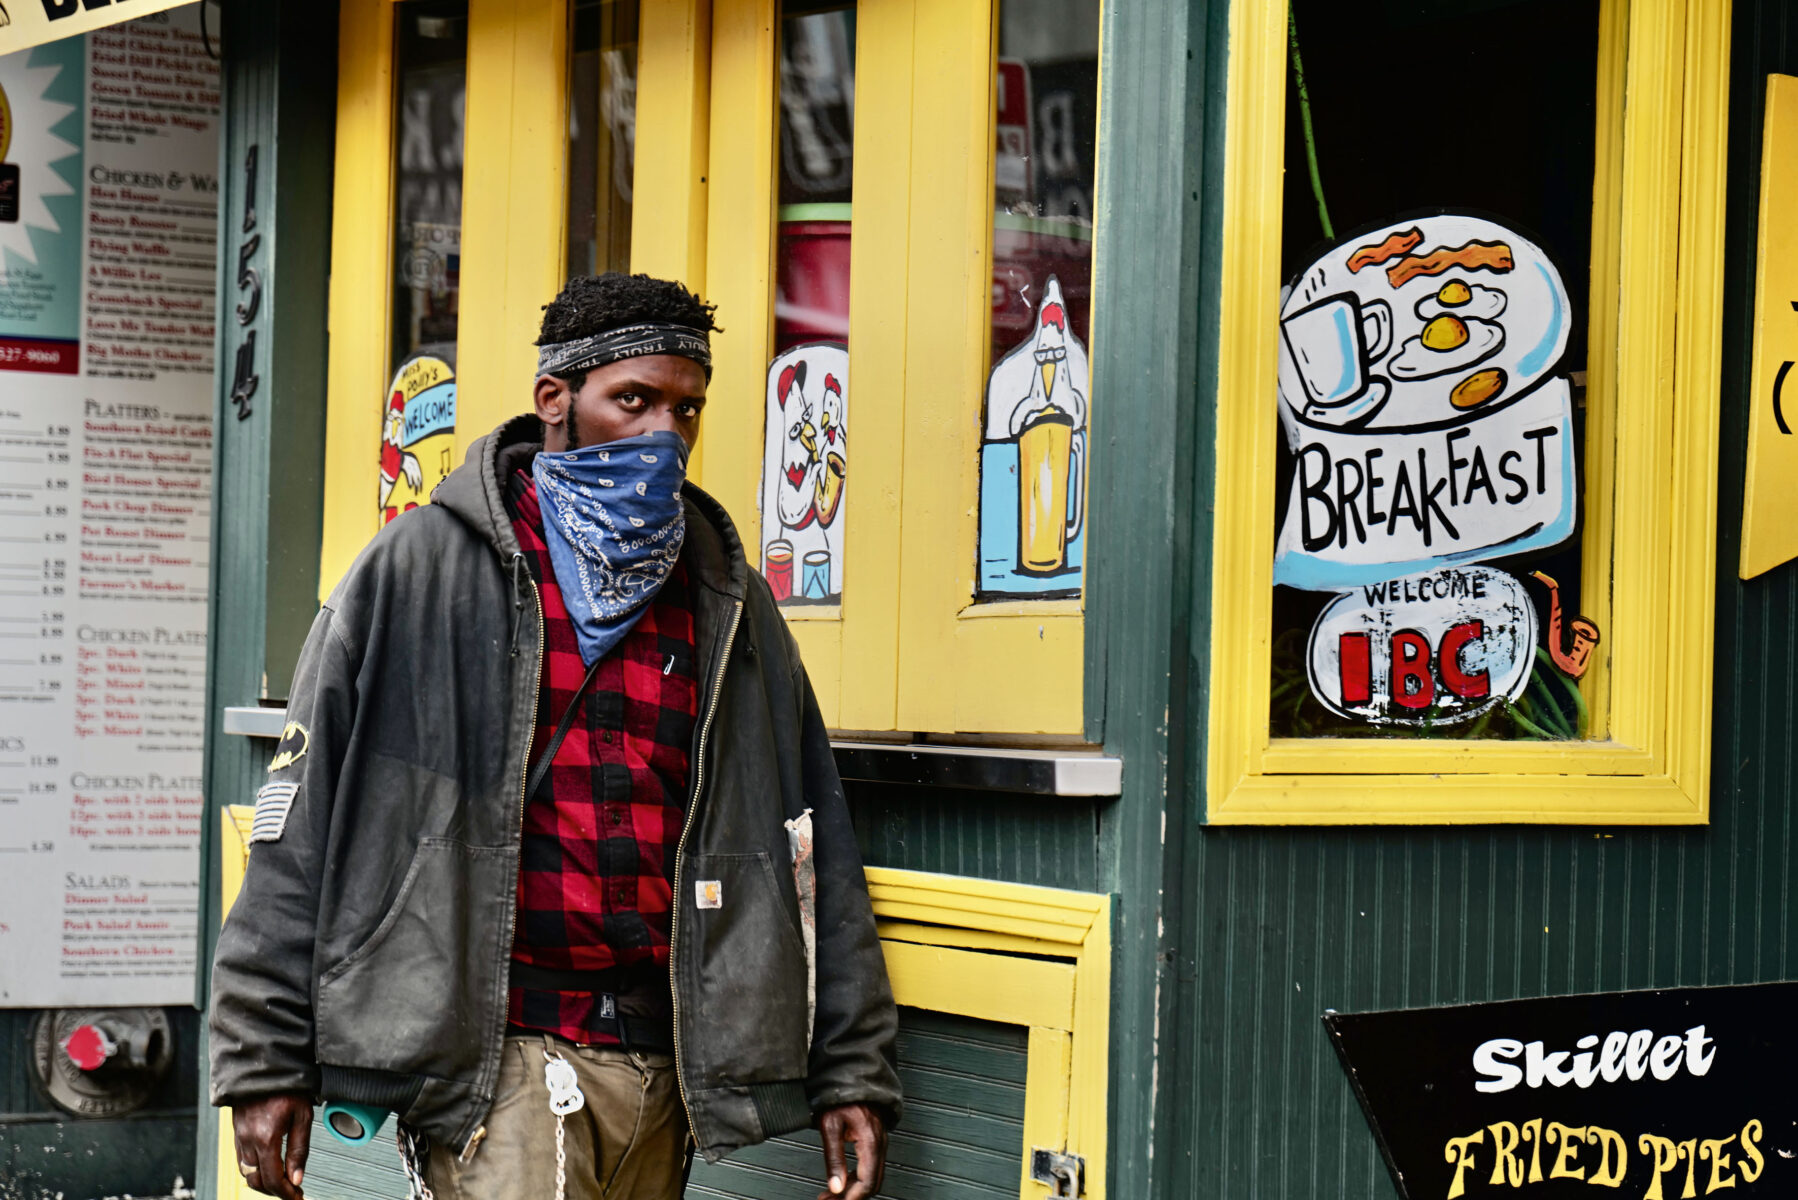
{"points": [[474, 493]]}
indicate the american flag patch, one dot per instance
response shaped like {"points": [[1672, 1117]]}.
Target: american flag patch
{"points": [[273, 800]]}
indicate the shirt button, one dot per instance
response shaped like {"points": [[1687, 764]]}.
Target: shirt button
{"points": [[617, 817], [608, 736]]}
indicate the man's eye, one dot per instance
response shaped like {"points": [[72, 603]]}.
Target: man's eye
{"points": [[689, 410], [630, 399]]}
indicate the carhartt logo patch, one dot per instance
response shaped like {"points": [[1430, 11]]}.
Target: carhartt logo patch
{"points": [[273, 801], [708, 893]]}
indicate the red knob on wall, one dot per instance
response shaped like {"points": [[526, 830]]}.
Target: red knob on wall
{"points": [[88, 1047]]}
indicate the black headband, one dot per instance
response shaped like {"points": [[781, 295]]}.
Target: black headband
{"points": [[632, 341]]}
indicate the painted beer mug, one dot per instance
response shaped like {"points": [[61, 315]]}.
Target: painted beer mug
{"points": [[1033, 461], [1050, 508]]}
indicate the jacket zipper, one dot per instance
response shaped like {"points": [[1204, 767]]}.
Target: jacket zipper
{"points": [[680, 852], [524, 778]]}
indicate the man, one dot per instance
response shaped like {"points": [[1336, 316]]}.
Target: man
{"points": [[553, 860]]}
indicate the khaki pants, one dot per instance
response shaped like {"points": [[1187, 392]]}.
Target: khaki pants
{"points": [[628, 1142]]}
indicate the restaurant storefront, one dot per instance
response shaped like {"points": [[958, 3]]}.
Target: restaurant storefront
{"points": [[892, 205], [1259, 488]]}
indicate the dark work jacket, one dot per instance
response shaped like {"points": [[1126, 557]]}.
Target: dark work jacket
{"points": [[366, 958]]}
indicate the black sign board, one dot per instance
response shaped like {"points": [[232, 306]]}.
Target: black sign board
{"points": [[1670, 1094]]}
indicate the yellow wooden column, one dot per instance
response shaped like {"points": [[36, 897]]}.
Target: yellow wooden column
{"points": [[739, 272], [1012, 667], [361, 235], [514, 203], [234, 860], [670, 191], [855, 665], [674, 98], [851, 650]]}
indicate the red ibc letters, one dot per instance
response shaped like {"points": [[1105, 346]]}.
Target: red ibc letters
{"points": [[1356, 669], [1414, 667], [1469, 686]]}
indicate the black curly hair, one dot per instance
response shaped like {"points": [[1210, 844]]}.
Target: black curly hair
{"points": [[592, 304]]}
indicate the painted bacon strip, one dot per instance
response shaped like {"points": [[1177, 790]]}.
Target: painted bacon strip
{"points": [[1474, 256], [1395, 244]]}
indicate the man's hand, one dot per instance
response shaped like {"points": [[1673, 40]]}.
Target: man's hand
{"points": [[261, 1125], [855, 1123]]}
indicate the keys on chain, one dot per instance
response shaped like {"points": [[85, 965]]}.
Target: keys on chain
{"points": [[564, 1098], [564, 1088]]}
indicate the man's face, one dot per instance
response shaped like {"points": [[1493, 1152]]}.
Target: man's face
{"points": [[624, 399]]}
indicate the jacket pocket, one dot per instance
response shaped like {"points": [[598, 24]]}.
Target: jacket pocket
{"points": [[750, 1011], [417, 996]]}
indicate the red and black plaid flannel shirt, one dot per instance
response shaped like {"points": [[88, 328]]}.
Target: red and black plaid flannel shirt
{"points": [[596, 880]]}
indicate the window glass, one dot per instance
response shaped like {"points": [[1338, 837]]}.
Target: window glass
{"points": [[1436, 261], [418, 413], [602, 135], [431, 65], [805, 452], [817, 169], [1033, 446]]}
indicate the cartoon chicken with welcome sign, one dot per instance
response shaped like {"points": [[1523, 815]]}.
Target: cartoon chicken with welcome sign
{"points": [[1431, 429], [418, 432]]}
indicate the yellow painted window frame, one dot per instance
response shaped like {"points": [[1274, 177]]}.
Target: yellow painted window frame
{"points": [[514, 222], [1020, 955], [514, 153], [1006, 667], [1031, 956], [234, 860], [907, 649], [1650, 506]]}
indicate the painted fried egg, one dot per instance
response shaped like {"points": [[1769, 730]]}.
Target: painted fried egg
{"points": [[1458, 298], [1447, 343]]}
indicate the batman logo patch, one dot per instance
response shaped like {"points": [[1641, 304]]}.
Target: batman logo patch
{"points": [[292, 747]]}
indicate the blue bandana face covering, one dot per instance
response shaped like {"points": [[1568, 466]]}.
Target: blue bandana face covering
{"points": [[613, 520]]}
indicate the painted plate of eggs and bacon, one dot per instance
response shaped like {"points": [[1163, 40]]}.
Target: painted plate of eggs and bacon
{"points": [[1427, 322]]}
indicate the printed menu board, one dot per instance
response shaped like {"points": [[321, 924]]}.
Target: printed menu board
{"points": [[108, 226]]}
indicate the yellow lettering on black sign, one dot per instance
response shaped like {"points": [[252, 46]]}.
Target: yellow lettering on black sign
{"points": [[1662, 1167]]}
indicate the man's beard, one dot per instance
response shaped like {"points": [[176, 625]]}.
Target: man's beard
{"points": [[575, 441]]}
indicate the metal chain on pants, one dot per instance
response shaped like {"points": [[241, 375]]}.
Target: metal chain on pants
{"points": [[413, 1150], [564, 1098], [561, 1162]]}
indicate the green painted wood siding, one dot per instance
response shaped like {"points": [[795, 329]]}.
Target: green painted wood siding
{"points": [[961, 1139], [338, 1172], [279, 94], [1273, 926], [1051, 841]]}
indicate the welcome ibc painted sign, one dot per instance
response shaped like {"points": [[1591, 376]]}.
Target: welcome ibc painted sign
{"points": [[1430, 427], [1652, 1095]]}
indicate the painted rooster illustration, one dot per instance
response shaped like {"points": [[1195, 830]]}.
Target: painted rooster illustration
{"points": [[813, 461]]}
